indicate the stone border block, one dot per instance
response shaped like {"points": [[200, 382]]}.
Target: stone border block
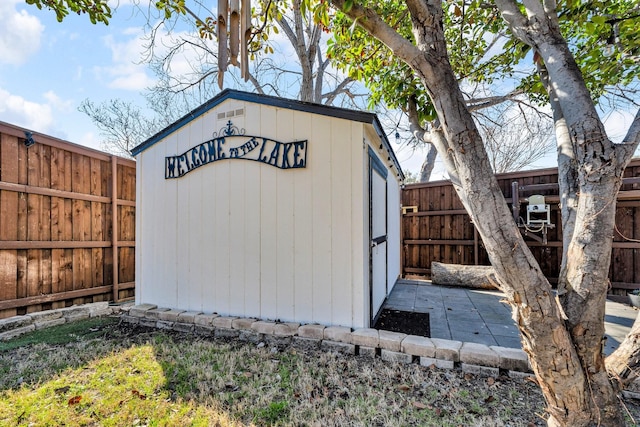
{"points": [[130, 319], [418, 346], [276, 341], [146, 322], [78, 315], [203, 330], [226, 333], [287, 329], [169, 316], [485, 371], [124, 307], [338, 347], [15, 322], [447, 349], [445, 364], [249, 335], [97, 309], [205, 320], [182, 327], [188, 316], [478, 354], [154, 313], [243, 323], [365, 351], [395, 356], [305, 344], [100, 313], [76, 312], [141, 309], [427, 361], [223, 322], [16, 332], [42, 324], [367, 337], [438, 363], [311, 331], [164, 324], [391, 341], [512, 359], [338, 334], [44, 316], [263, 327]]}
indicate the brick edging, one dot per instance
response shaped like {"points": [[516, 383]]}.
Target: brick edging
{"points": [[15, 326], [390, 346], [367, 342]]}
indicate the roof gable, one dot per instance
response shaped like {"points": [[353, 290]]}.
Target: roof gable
{"points": [[325, 110]]}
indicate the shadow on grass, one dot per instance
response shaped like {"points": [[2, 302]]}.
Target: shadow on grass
{"points": [[116, 374]]}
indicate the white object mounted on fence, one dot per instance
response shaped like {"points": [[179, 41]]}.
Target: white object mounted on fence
{"points": [[538, 212]]}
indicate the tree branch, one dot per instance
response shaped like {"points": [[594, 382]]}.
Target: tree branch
{"points": [[371, 22]]}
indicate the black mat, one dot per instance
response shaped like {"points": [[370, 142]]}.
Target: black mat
{"points": [[407, 322]]}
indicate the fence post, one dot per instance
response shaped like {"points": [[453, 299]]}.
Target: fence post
{"points": [[515, 200], [114, 224]]}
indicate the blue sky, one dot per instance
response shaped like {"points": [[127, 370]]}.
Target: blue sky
{"points": [[48, 68]]}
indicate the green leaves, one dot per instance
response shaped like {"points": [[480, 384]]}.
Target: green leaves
{"points": [[97, 10]]}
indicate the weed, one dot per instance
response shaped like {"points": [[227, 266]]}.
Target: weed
{"points": [[276, 413]]}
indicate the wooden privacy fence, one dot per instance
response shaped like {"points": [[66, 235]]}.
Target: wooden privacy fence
{"points": [[435, 226], [67, 224]]}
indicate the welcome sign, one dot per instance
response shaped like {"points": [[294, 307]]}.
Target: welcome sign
{"points": [[230, 145]]}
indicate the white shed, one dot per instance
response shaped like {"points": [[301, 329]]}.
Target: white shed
{"points": [[257, 206]]}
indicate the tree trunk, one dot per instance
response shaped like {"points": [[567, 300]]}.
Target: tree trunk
{"points": [[428, 164], [624, 363], [467, 276], [545, 339]]}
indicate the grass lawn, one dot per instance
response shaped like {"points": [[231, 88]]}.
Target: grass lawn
{"points": [[100, 372]]}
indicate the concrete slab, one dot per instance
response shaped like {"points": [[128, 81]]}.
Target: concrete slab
{"points": [[478, 316]]}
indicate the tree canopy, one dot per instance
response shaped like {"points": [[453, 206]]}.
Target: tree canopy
{"points": [[97, 10]]}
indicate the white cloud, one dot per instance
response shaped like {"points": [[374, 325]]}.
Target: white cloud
{"points": [[126, 72], [134, 81], [19, 111], [58, 103], [20, 34]]}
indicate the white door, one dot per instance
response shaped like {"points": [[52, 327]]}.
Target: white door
{"points": [[377, 234]]}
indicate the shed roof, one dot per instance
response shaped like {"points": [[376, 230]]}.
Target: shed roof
{"points": [[325, 110]]}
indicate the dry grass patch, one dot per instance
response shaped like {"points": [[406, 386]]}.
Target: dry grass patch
{"points": [[105, 373]]}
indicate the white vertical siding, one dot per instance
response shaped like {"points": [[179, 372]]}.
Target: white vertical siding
{"points": [[319, 153], [284, 223], [243, 238], [359, 228], [340, 189], [268, 219], [252, 229], [303, 255]]}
